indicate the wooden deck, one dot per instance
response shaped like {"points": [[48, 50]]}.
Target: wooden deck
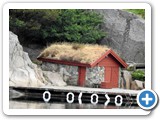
{"points": [[86, 95], [92, 90]]}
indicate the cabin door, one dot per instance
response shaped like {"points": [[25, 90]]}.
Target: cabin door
{"points": [[111, 77], [115, 77]]}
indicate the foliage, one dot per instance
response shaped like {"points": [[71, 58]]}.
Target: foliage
{"points": [[51, 25], [32, 24], [138, 75], [140, 12], [80, 26]]}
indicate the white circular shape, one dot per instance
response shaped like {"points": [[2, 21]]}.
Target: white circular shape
{"points": [[151, 107], [72, 99], [44, 96], [121, 100], [96, 99]]}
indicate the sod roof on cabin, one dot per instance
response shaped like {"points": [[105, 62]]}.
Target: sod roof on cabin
{"points": [[81, 53]]}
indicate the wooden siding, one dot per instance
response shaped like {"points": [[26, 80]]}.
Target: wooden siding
{"points": [[81, 76]]}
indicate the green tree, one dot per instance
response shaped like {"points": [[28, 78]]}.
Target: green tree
{"points": [[29, 24], [69, 25], [81, 26]]}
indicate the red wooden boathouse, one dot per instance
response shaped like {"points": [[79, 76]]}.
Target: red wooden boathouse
{"points": [[110, 61]]}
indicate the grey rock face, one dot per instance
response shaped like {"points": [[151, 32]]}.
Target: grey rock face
{"points": [[137, 85], [54, 78], [125, 34], [22, 71], [49, 66], [126, 80], [69, 74], [33, 51], [140, 84]]}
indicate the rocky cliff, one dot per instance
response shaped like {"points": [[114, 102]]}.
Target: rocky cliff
{"points": [[125, 34], [22, 72]]}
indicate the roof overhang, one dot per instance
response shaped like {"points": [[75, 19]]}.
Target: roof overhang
{"points": [[109, 52], [64, 62]]}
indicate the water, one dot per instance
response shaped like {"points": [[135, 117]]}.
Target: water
{"points": [[23, 98], [14, 104]]}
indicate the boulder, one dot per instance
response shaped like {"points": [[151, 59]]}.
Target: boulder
{"points": [[125, 34], [137, 85], [22, 72], [127, 79], [134, 86], [126, 82], [140, 84], [54, 78]]}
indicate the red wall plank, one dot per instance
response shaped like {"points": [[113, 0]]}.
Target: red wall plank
{"points": [[115, 77], [81, 76], [111, 77], [64, 62], [107, 76], [108, 61]]}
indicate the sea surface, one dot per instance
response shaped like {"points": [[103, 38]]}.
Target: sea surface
{"points": [[14, 104]]}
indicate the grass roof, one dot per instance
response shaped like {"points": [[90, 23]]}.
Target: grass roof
{"points": [[82, 53]]}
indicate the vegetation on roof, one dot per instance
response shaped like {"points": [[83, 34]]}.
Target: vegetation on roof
{"points": [[82, 53]]}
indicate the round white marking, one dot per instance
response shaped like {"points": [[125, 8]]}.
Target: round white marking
{"points": [[96, 99], [121, 100], [72, 98], [44, 96]]}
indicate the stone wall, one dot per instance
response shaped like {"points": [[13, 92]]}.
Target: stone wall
{"points": [[94, 76], [69, 74]]}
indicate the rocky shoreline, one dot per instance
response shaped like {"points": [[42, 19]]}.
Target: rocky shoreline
{"points": [[24, 73]]}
